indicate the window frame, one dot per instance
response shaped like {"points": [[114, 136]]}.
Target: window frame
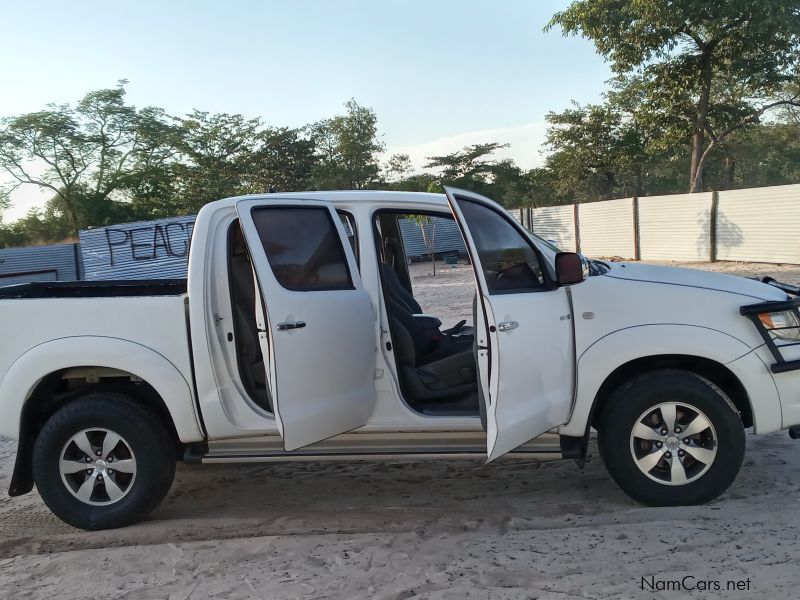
{"points": [[334, 227], [354, 226]]}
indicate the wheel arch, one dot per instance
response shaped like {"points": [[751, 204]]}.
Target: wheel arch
{"points": [[722, 358], [716, 372], [49, 376]]}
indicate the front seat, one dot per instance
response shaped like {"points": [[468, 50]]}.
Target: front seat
{"points": [[428, 340], [405, 300], [434, 380]]}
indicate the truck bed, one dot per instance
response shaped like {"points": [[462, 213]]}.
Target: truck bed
{"points": [[94, 289], [149, 316]]}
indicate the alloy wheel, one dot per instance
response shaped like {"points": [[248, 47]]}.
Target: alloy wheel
{"points": [[673, 443], [97, 466]]}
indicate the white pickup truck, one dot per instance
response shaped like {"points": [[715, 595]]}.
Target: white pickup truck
{"points": [[297, 337]]}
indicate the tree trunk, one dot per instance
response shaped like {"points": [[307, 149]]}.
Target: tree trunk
{"points": [[73, 215], [700, 124], [696, 173], [729, 168], [638, 185]]}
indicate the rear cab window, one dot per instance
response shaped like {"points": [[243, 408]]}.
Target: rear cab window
{"points": [[303, 248]]}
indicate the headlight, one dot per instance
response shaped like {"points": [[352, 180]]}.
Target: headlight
{"points": [[777, 322]]}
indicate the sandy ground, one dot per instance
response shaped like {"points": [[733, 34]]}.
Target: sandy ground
{"points": [[459, 529]]}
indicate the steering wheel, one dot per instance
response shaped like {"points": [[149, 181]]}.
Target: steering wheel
{"points": [[516, 272]]}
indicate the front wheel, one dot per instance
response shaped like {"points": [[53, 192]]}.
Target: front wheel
{"points": [[103, 461], [671, 438]]}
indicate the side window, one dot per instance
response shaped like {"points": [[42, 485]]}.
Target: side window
{"points": [[509, 262], [303, 248]]}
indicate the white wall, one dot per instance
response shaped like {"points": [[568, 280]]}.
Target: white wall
{"points": [[756, 224], [675, 227], [606, 228], [555, 223], [759, 224]]}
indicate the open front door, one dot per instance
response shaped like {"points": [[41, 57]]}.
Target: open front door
{"points": [[320, 320], [524, 336]]}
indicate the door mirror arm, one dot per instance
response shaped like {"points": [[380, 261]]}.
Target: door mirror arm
{"points": [[571, 268]]}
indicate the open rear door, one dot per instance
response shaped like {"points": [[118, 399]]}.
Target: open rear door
{"points": [[320, 321], [524, 336]]}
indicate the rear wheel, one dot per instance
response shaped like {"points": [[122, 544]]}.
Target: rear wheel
{"points": [[671, 438], [103, 461]]}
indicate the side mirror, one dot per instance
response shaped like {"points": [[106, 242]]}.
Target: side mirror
{"points": [[571, 268]]}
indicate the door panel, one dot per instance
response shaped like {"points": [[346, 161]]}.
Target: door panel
{"points": [[320, 319], [526, 343]]}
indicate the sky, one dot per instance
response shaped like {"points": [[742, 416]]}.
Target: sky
{"points": [[440, 74]]}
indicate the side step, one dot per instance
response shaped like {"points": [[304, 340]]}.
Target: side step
{"points": [[403, 456], [375, 446]]}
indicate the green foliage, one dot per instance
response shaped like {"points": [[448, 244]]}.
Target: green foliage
{"points": [[397, 168], [284, 160], [598, 152], [106, 162], [700, 69], [216, 151], [84, 155], [474, 168], [347, 149]]}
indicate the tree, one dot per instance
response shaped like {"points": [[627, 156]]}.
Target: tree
{"points": [[427, 227], [397, 168], [151, 184], [82, 154], [5, 202], [284, 159], [598, 152], [347, 148], [718, 65], [468, 166], [762, 155], [216, 156]]}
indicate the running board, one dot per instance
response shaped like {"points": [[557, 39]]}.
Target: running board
{"points": [[369, 446], [403, 456]]}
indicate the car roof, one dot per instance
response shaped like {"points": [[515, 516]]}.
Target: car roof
{"points": [[347, 197]]}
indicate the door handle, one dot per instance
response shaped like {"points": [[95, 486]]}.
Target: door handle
{"points": [[287, 325], [507, 325]]}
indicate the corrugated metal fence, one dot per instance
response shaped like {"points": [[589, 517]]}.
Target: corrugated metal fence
{"points": [[143, 250], [757, 224], [606, 228], [443, 233], [58, 262], [675, 227]]}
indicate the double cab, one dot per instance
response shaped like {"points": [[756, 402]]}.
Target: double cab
{"points": [[297, 336]]}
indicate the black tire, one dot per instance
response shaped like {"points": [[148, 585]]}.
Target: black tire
{"points": [[695, 395], [141, 429]]}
